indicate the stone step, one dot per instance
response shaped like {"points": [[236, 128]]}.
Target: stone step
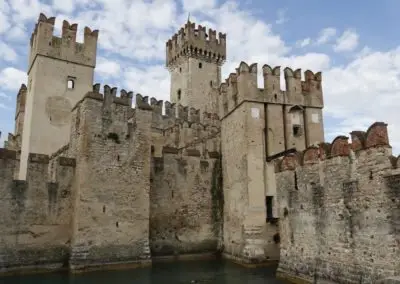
{"points": [[79, 253]]}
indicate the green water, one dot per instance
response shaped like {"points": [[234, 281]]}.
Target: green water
{"points": [[198, 272]]}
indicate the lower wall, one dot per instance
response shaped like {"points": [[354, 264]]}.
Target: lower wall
{"points": [[340, 218], [184, 216], [35, 224]]}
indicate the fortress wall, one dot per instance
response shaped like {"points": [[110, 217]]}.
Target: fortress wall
{"points": [[186, 200], [35, 225], [180, 126], [111, 142], [340, 209]]}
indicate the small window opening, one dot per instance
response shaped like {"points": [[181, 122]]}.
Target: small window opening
{"points": [[211, 83], [179, 94], [268, 204], [180, 69], [296, 130], [70, 84], [200, 65]]}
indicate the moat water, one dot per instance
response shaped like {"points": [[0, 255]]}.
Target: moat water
{"points": [[189, 272]]}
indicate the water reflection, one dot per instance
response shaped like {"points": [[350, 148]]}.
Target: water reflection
{"points": [[189, 272]]}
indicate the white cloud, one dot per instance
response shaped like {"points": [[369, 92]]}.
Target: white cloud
{"points": [[304, 42], [7, 53], [16, 33], [364, 91], [64, 6], [3, 106], [4, 96], [348, 41], [4, 23], [23, 10], [12, 78], [326, 35], [191, 6], [152, 81], [107, 68], [281, 17]]}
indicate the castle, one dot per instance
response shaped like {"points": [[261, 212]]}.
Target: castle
{"points": [[88, 182]]}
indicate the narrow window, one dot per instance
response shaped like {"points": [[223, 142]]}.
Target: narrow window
{"points": [[296, 130], [200, 65], [268, 203], [180, 70], [179, 94], [70, 84]]}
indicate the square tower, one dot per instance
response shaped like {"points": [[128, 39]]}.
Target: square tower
{"points": [[60, 73], [194, 59]]}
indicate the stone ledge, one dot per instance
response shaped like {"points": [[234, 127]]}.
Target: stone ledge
{"points": [[6, 154], [75, 269], [390, 280], [248, 262]]}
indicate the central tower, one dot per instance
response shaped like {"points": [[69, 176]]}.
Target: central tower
{"points": [[194, 59]]}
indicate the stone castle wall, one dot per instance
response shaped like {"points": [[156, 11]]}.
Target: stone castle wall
{"points": [[111, 143], [105, 197], [36, 213], [87, 204], [185, 203], [185, 195], [339, 206]]}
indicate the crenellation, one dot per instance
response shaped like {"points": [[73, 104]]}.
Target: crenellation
{"points": [[192, 42], [44, 43], [242, 86], [68, 32], [157, 105]]}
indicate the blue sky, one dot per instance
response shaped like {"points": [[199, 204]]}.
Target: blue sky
{"points": [[351, 42]]}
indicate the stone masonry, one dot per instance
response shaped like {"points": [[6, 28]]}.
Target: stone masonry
{"points": [[89, 182], [340, 208]]}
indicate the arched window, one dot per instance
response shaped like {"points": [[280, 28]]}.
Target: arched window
{"points": [[179, 94], [200, 65], [297, 121]]}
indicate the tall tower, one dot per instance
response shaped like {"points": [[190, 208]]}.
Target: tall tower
{"points": [[194, 59], [60, 73]]}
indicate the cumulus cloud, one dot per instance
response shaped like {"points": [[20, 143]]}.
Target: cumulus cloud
{"points": [[348, 41], [107, 68], [11, 78], [191, 6], [326, 35], [364, 91], [281, 17], [7, 53], [304, 42]]}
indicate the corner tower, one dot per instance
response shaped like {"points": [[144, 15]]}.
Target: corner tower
{"points": [[194, 59], [60, 73]]}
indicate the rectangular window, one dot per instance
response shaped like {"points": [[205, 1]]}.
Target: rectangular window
{"points": [[71, 83], [269, 204]]}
